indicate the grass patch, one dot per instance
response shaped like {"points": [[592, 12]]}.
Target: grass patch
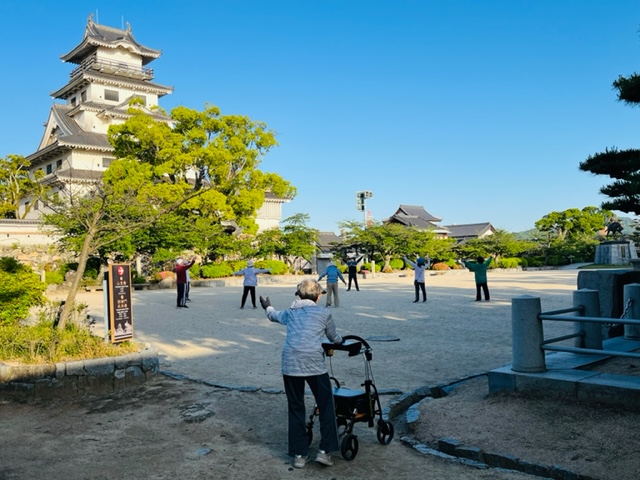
{"points": [[42, 343]]}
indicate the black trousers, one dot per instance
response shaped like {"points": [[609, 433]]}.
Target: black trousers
{"points": [[245, 292], [420, 287], [353, 276], [322, 390], [485, 289], [182, 294]]}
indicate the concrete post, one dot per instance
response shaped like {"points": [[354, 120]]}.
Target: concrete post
{"points": [[527, 335], [632, 293], [592, 332]]}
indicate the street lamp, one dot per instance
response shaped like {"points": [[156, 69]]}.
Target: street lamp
{"points": [[361, 203]]}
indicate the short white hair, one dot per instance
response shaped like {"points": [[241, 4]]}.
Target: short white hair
{"points": [[309, 290]]}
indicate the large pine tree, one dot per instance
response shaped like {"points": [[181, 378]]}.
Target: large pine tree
{"points": [[621, 165]]}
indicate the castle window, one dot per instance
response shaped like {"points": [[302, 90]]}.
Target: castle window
{"points": [[58, 163], [112, 95], [72, 101], [106, 161], [49, 169], [83, 96]]}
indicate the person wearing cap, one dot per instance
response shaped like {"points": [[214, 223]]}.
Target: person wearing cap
{"points": [[332, 273], [419, 268], [250, 282], [479, 269], [303, 362], [181, 270]]}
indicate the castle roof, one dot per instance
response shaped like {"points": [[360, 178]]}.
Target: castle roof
{"points": [[96, 35], [470, 230], [88, 77]]}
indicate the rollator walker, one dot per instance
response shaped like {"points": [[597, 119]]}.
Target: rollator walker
{"points": [[354, 406]]}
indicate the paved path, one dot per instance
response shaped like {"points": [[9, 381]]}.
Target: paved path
{"points": [[448, 337]]}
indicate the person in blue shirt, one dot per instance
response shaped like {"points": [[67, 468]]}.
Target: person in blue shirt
{"points": [[250, 282], [332, 273]]}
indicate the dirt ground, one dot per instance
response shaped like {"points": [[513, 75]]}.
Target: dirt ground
{"points": [[184, 430], [598, 441], [188, 429]]}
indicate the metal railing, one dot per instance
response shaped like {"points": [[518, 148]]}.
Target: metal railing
{"points": [[109, 66], [529, 344]]}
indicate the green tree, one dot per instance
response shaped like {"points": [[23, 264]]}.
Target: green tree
{"points": [[270, 244], [388, 240], [298, 240], [573, 223], [500, 244], [20, 289], [623, 166], [16, 184], [204, 163]]}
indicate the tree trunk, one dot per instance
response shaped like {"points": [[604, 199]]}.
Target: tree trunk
{"points": [[387, 264], [87, 247]]}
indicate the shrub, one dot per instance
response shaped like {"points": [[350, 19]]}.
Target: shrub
{"points": [[440, 267], [216, 270], [276, 266], [138, 279], [159, 276], [367, 266], [396, 263], [20, 289], [508, 263], [53, 278]]}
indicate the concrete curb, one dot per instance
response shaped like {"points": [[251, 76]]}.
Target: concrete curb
{"points": [[81, 377]]}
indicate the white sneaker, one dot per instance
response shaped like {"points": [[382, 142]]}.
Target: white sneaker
{"points": [[300, 461], [324, 458]]}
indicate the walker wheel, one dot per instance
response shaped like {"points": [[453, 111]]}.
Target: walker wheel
{"points": [[349, 447], [385, 432]]}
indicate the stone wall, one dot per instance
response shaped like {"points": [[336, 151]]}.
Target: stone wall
{"points": [[76, 378], [38, 257]]}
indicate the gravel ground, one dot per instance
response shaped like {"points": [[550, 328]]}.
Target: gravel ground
{"points": [[147, 434]]}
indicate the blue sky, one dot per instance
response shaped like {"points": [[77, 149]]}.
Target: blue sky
{"points": [[477, 110]]}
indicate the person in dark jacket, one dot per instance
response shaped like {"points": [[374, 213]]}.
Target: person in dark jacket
{"points": [[352, 265]]}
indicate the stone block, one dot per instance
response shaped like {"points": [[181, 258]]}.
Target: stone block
{"points": [[54, 388], [134, 376], [502, 461], [99, 367], [124, 361], [448, 445], [472, 453], [75, 368], [95, 384]]}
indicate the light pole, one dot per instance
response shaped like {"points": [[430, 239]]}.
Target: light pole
{"points": [[361, 206]]}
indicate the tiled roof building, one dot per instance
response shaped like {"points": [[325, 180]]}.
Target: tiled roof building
{"points": [[417, 217], [471, 230]]}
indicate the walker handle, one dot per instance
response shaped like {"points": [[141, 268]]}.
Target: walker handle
{"points": [[359, 339]]}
